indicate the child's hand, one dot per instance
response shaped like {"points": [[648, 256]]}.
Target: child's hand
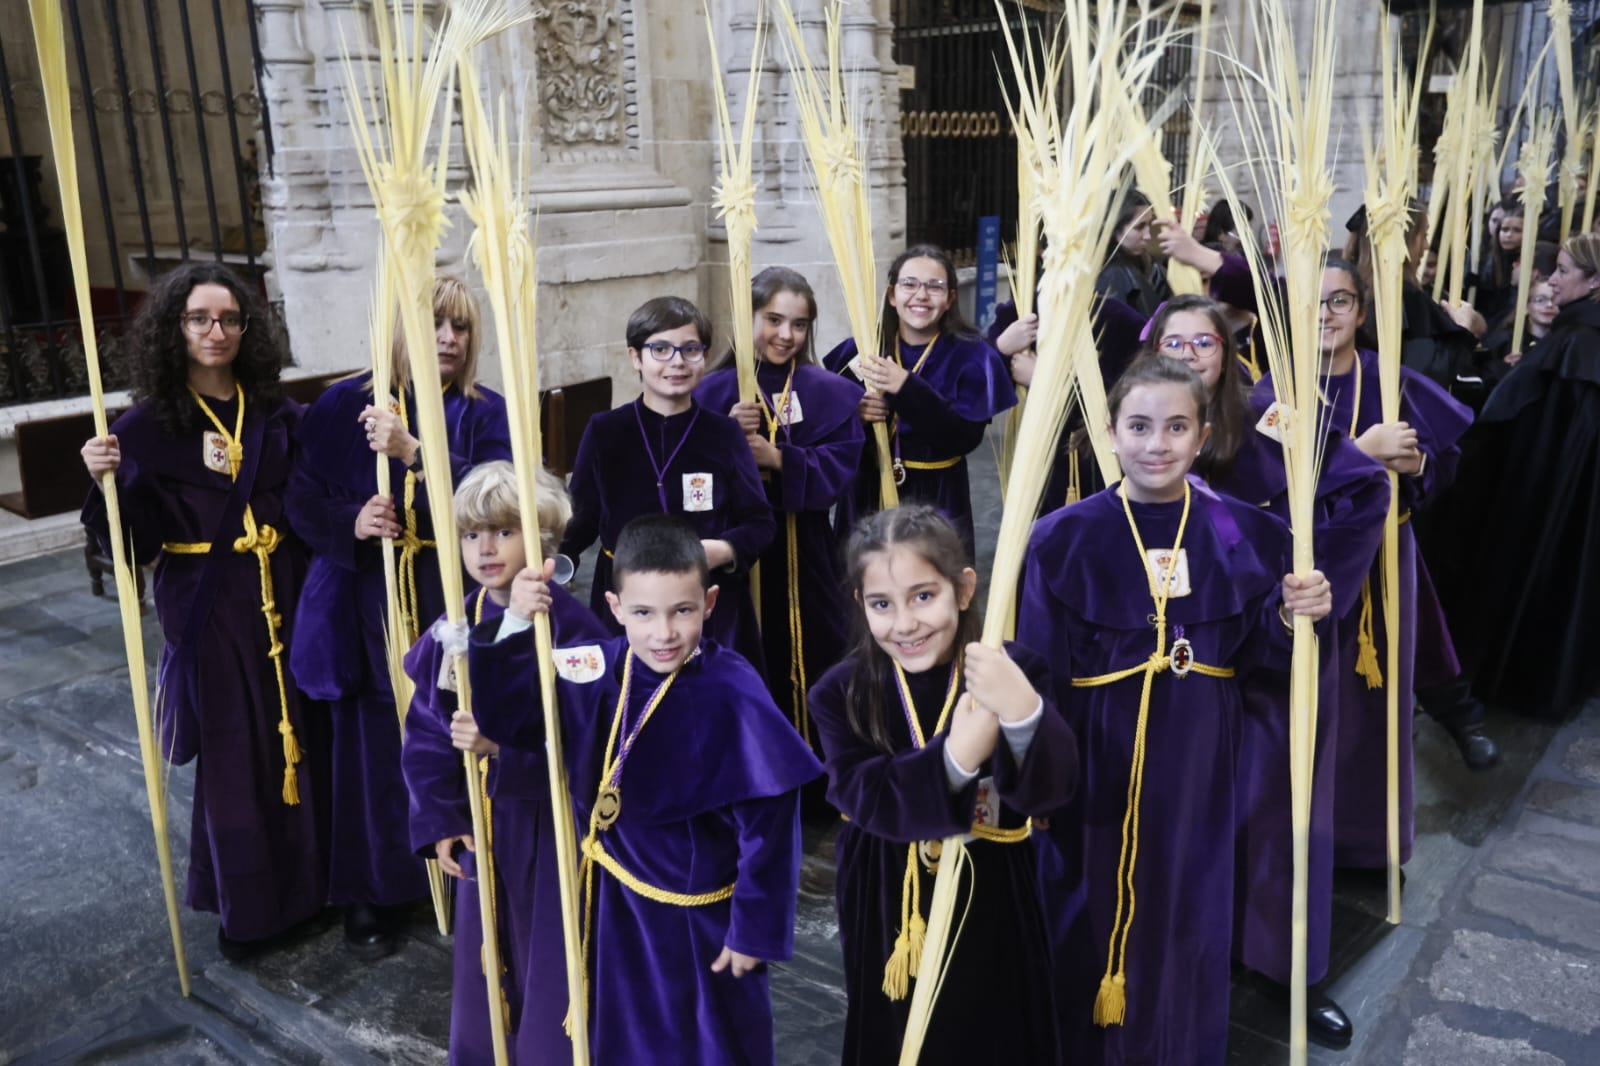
{"points": [[530, 591], [101, 455], [998, 684], [1019, 336], [464, 735], [444, 851], [1178, 243], [1022, 366], [1388, 441], [740, 963], [872, 408], [973, 733], [1310, 596], [748, 415], [765, 453], [885, 375], [719, 553]]}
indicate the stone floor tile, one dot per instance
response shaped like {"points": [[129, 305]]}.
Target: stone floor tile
{"points": [[1433, 1043], [1550, 986], [1547, 912]]}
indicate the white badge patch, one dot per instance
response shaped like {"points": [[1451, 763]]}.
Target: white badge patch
{"points": [[1160, 559], [697, 492], [987, 810], [214, 451], [854, 366], [791, 413], [447, 674], [1271, 424], [580, 664]]}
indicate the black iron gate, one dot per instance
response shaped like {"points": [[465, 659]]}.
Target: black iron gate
{"points": [[167, 106], [961, 159]]}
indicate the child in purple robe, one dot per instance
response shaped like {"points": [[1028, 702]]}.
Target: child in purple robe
{"points": [[806, 440], [665, 453], [339, 651], [527, 896], [935, 381], [686, 779], [201, 461], [929, 734], [1243, 457], [1422, 448], [1152, 597]]}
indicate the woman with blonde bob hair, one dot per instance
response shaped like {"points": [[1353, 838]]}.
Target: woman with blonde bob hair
{"points": [[1534, 610], [339, 650]]}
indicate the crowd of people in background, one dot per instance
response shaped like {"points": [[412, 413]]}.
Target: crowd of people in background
{"points": [[1130, 747]]}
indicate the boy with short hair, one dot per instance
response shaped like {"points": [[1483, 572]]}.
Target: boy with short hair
{"points": [[527, 891], [666, 454], [686, 779]]}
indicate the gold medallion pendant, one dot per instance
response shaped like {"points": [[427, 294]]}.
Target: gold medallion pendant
{"points": [[607, 807], [929, 852], [899, 470]]}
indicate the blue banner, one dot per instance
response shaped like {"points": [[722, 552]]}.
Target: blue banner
{"points": [[988, 271]]}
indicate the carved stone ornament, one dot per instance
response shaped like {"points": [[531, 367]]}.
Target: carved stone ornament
{"points": [[586, 76]]}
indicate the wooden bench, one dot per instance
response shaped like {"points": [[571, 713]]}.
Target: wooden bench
{"points": [[563, 414]]}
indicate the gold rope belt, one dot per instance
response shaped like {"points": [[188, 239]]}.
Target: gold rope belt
{"points": [[931, 464], [1366, 633], [262, 541], [593, 849], [797, 655], [411, 546]]}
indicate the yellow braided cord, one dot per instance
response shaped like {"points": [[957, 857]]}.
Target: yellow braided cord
{"points": [[797, 652], [1366, 642], [996, 835], [907, 954], [410, 546], [595, 850], [894, 420], [1111, 1002], [933, 464], [262, 541]]}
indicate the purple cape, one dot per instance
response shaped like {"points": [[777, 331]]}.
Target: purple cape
{"points": [[997, 1002], [259, 863], [1085, 606], [943, 411], [1352, 499], [528, 893], [614, 480], [821, 453], [1426, 654], [338, 652], [709, 798]]}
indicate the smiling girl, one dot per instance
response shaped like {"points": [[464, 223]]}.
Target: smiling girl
{"points": [[935, 381], [205, 360], [806, 440], [1152, 596], [928, 734]]}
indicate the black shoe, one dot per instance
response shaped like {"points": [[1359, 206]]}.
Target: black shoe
{"points": [[237, 950], [1327, 1025], [1478, 749], [366, 933]]}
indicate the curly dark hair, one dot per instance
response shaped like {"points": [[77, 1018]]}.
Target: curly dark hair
{"points": [[158, 351]]}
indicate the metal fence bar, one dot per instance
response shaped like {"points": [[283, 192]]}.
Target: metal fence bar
{"points": [[233, 136], [114, 22], [35, 249], [200, 129], [261, 86], [166, 125], [87, 88]]}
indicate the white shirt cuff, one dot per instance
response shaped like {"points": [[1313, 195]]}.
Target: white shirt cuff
{"points": [[958, 776], [511, 625], [1019, 735]]}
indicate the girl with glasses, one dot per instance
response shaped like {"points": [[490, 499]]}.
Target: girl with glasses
{"points": [[202, 461], [806, 440], [936, 383], [339, 651], [665, 453]]}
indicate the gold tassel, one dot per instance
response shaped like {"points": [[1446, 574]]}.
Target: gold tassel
{"points": [[291, 785], [908, 943], [1111, 1002], [897, 971], [1367, 659]]}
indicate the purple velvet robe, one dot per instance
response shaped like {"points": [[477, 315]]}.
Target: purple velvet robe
{"points": [[338, 652], [710, 797], [997, 1003], [1352, 499], [820, 452], [259, 863], [944, 410], [527, 888], [1085, 606], [1426, 655], [613, 482]]}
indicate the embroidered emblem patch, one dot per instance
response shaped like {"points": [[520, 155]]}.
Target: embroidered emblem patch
{"points": [[1271, 424], [447, 674], [697, 492], [1160, 559], [580, 664], [987, 809], [214, 452], [791, 413]]}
